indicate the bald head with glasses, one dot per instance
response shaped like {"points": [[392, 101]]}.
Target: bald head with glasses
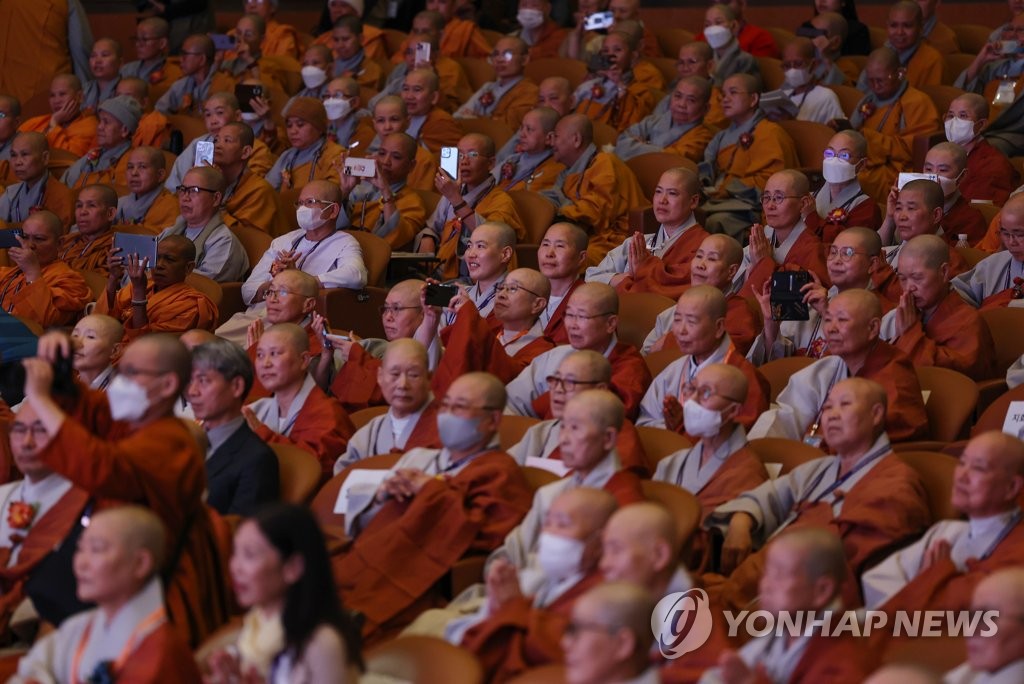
{"points": [[200, 195]]}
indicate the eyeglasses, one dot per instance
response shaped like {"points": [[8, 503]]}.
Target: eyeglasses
{"points": [[130, 372], [832, 154], [574, 628], [472, 154], [278, 293], [705, 392], [585, 317], [688, 62], [843, 253], [311, 203], [193, 190], [448, 407], [503, 56], [147, 39], [393, 310], [777, 198], [568, 384], [512, 288], [1011, 237]]}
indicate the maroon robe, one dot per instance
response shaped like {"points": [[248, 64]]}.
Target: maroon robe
{"points": [[669, 275]]}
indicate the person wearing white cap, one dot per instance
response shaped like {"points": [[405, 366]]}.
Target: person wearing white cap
{"points": [[108, 161]]}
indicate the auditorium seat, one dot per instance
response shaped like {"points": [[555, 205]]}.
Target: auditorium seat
{"points": [[936, 471], [778, 372], [951, 402], [478, 71], [659, 443], [659, 360], [681, 504], [972, 37], [536, 211], [299, 473], [670, 39], [364, 416], [423, 660], [638, 312], [376, 255], [571, 69], [498, 131], [648, 168], [789, 453]]}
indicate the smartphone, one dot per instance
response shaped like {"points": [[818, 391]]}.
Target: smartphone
{"points": [[245, 93], [599, 61], [361, 167], [787, 301], [144, 246], [598, 21], [810, 32], [1008, 47], [450, 161], [9, 238], [422, 53], [905, 178], [204, 153], [222, 41], [440, 295]]}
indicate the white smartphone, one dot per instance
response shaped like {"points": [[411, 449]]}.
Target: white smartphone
{"points": [[1008, 47], [360, 166], [204, 153], [422, 53], [598, 21], [450, 161], [905, 178]]}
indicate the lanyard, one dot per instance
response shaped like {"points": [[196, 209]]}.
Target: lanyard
{"points": [[521, 334], [1010, 524], [148, 623], [316, 244], [10, 281], [16, 205], [688, 375], [863, 463], [312, 165], [457, 464]]}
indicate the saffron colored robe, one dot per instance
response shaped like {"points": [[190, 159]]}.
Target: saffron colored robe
{"points": [[78, 136], [462, 38], [55, 298], [82, 254], [174, 309], [670, 275]]}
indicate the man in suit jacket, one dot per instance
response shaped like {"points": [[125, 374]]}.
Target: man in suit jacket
{"points": [[241, 470]]}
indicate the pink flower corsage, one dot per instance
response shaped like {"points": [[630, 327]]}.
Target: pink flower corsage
{"points": [[746, 140]]}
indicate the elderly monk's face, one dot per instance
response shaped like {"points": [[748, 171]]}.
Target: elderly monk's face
{"points": [[592, 648], [627, 555], [848, 264], [1011, 230], [582, 439], [418, 95], [103, 564], [475, 161], [673, 203], [695, 331], [883, 81], [148, 44], [847, 417], [557, 256], [532, 137], [62, 91], [28, 436], [192, 57], [903, 29], [197, 199], [691, 63], [279, 364], [993, 653], [143, 175], [405, 383], [40, 240], [395, 160], [551, 95], [926, 285], [781, 203], [913, 216], [687, 105], [301, 133], [172, 264], [110, 131], [588, 324], [709, 266], [285, 304], [28, 163], [737, 100], [248, 32], [508, 58], [846, 327], [228, 149], [388, 119], [514, 301], [982, 484], [401, 314], [572, 377], [785, 584], [92, 345], [92, 215]]}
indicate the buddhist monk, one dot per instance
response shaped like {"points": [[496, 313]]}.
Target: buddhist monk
{"points": [[88, 247], [538, 30], [151, 48], [247, 61], [36, 189], [531, 166], [615, 96], [249, 200], [699, 327], [852, 325], [596, 190], [317, 66], [431, 125], [659, 262], [148, 203], [151, 458], [810, 98], [118, 117], [990, 175], [199, 80], [865, 493], [454, 85], [591, 319], [681, 129], [374, 42], [117, 567], [311, 156], [921, 62], [841, 202], [95, 338], [511, 95], [390, 115], [949, 162], [730, 58], [168, 303], [991, 66], [996, 656], [350, 57], [560, 257], [433, 506], [932, 324], [280, 39], [461, 38], [998, 280], [66, 127], [298, 412], [38, 286]]}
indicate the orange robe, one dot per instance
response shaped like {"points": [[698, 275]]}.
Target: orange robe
{"points": [[990, 175], [771, 150], [693, 143], [34, 46], [322, 428], [77, 136], [471, 344], [925, 67], [85, 255], [601, 197], [462, 38], [962, 218], [669, 275], [374, 43], [390, 572], [280, 40], [370, 76], [159, 466], [494, 206], [355, 384], [174, 309], [548, 39], [943, 38], [890, 132], [413, 215], [116, 175], [439, 130], [253, 204], [955, 337], [629, 108], [163, 212], [297, 177], [54, 299], [542, 177], [515, 104], [520, 636], [57, 198], [648, 75], [630, 380], [154, 130], [991, 242]]}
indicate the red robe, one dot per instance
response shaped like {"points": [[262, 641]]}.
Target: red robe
{"points": [[322, 428], [888, 505], [955, 337], [669, 275], [807, 253], [519, 636], [990, 175], [866, 215], [630, 449], [390, 571], [905, 417], [355, 384], [54, 299], [743, 323], [162, 657], [887, 283], [471, 344], [630, 380], [555, 329], [963, 218], [159, 466]]}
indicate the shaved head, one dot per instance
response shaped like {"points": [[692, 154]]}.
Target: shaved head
{"points": [[174, 357], [821, 549], [533, 280], [298, 282], [618, 606], [710, 299], [210, 176], [932, 250], [748, 82], [70, 81], [491, 388], [867, 239], [795, 181], [35, 141], [590, 507], [404, 350], [139, 529], [294, 335], [653, 537], [585, 363], [952, 151], [726, 245], [801, 47], [603, 296], [863, 301], [504, 234], [577, 236], [195, 337], [974, 102], [885, 58], [852, 140], [929, 191], [604, 408], [46, 220], [573, 124], [729, 381]]}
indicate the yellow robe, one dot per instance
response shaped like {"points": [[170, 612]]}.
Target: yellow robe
{"points": [[495, 206], [771, 150]]}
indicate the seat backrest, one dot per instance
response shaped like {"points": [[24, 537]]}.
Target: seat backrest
{"points": [[287, 220], [536, 211], [209, 287], [951, 401], [393, 39], [648, 168], [670, 39], [498, 131], [995, 414], [878, 36], [478, 71], [604, 134], [363, 416], [781, 36], [348, 310], [512, 428], [971, 255], [424, 660], [778, 372], [848, 96], [952, 66], [231, 301], [572, 69], [936, 472], [941, 95], [299, 472], [771, 72], [323, 503], [684, 506], [787, 452], [638, 312], [191, 127], [972, 37], [659, 360], [667, 66], [1005, 324], [659, 443], [60, 161], [97, 282], [254, 242], [810, 138], [376, 255], [538, 477]]}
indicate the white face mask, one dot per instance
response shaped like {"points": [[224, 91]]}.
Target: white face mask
{"points": [[948, 185], [959, 131], [798, 77], [717, 36], [250, 116], [458, 433], [337, 108], [309, 218], [530, 18], [700, 421], [128, 399], [313, 77], [836, 170], [559, 557]]}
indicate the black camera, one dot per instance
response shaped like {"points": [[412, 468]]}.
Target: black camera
{"points": [[440, 295], [12, 380], [599, 61], [786, 299]]}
